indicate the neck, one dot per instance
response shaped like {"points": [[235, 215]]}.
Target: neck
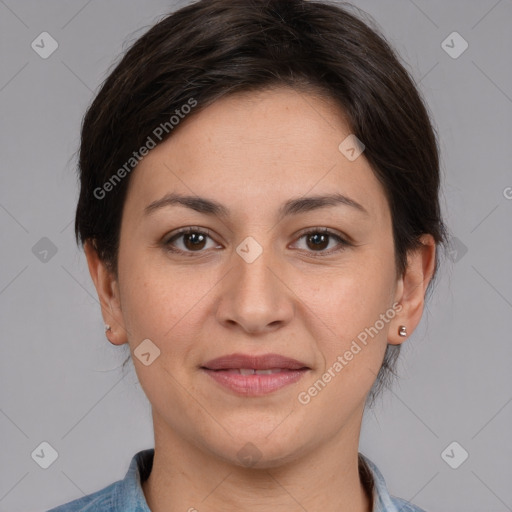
{"points": [[186, 478]]}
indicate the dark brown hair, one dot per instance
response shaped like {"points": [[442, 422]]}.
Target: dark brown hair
{"points": [[213, 48]]}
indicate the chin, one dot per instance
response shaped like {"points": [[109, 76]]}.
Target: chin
{"points": [[260, 450]]}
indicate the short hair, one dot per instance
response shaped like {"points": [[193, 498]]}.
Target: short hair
{"points": [[213, 48]]}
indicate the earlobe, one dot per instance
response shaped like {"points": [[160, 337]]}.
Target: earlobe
{"points": [[411, 290], [108, 293]]}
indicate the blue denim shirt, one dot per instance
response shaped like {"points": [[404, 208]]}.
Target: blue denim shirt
{"points": [[126, 495]]}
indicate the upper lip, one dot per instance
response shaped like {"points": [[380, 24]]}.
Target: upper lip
{"points": [[261, 362]]}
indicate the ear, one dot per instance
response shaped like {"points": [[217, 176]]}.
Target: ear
{"points": [[411, 288], [108, 294]]}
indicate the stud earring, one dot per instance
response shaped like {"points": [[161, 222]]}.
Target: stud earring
{"points": [[107, 328], [402, 331]]}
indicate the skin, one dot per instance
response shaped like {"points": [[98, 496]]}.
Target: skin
{"points": [[252, 152]]}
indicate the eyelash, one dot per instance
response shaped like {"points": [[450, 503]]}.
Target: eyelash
{"points": [[203, 231]]}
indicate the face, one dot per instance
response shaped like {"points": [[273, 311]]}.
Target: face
{"points": [[265, 266]]}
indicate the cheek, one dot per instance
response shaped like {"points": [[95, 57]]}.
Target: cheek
{"points": [[352, 338], [355, 316], [353, 298], [145, 292], [163, 302]]}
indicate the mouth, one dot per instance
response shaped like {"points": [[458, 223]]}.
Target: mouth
{"points": [[254, 375], [251, 371]]}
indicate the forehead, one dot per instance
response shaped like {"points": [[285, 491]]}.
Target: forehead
{"points": [[257, 149]]}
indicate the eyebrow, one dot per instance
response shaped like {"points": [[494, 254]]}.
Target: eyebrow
{"points": [[290, 207]]}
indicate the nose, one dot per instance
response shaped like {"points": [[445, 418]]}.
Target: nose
{"points": [[253, 296]]}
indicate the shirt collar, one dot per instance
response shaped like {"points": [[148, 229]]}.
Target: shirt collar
{"points": [[381, 499], [130, 496]]}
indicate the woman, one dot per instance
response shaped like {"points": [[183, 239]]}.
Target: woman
{"points": [[259, 212]]}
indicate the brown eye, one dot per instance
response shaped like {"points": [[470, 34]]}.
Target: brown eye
{"points": [[189, 240], [194, 241], [318, 240]]}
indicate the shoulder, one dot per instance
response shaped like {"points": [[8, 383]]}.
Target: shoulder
{"points": [[101, 500], [382, 500], [123, 495], [404, 506]]}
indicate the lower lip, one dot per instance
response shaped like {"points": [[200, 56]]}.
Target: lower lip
{"points": [[255, 385]]}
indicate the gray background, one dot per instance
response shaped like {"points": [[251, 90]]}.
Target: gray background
{"points": [[61, 380]]}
